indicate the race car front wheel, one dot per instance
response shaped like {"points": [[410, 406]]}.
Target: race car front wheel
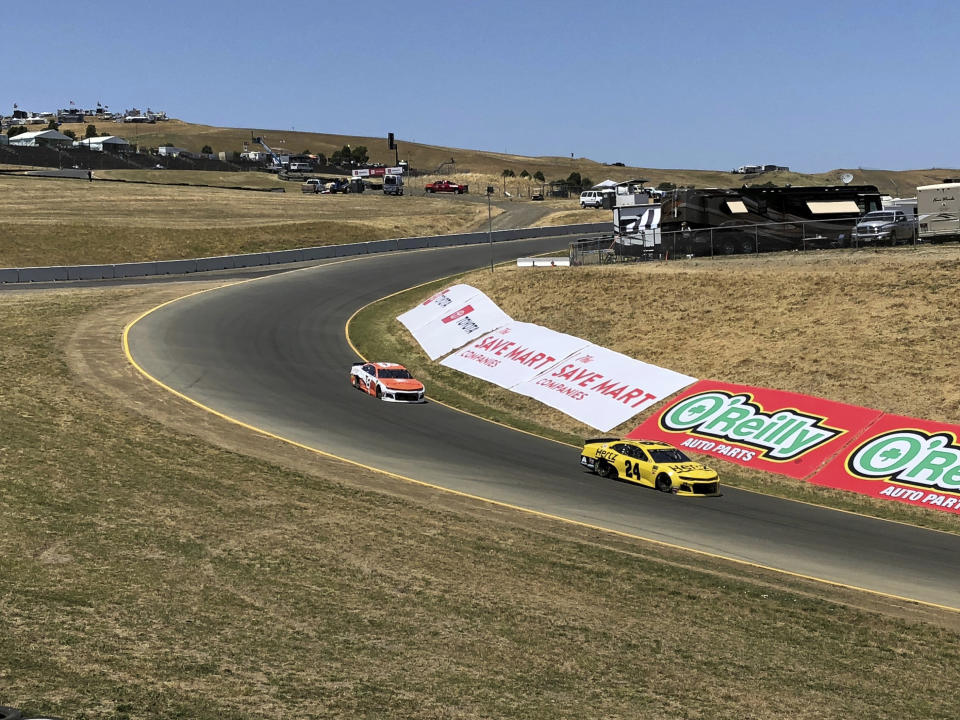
{"points": [[379, 393]]}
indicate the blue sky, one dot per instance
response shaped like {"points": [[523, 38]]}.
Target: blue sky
{"points": [[678, 84]]}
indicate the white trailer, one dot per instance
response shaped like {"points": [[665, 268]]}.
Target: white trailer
{"points": [[908, 205], [938, 211]]}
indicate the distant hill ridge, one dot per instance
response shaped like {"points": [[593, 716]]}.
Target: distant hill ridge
{"points": [[429, 157]]}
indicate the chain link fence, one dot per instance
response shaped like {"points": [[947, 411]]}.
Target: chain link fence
{"points": [[657, 244]]}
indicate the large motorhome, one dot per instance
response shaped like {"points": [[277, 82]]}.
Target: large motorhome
{"points": [[758, 219], [938, 210]]}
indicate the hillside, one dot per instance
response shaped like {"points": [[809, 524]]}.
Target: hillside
{"points": [[428, 158]]}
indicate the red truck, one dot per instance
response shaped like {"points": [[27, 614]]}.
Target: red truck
{"points": [[446, 186]]}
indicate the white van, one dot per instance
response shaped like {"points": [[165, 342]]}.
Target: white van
{"points": [[591, 198]]}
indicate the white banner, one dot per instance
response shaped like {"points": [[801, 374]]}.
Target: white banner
{"points": [[514, 353], [602, 388], [452, 318], [436, 305]]}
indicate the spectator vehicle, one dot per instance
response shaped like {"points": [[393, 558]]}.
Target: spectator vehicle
{"points": [[939, 209], [591, 198], [393, 184], [651, 463], [884, 227], [446, 186], [386, 381]]}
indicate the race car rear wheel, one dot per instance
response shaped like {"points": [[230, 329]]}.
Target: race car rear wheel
{"points": [[663, 484], [606, 470], [356, 383]]}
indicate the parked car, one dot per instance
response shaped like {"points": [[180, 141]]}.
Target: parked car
{"points": [[884, 227], [446, 186]]}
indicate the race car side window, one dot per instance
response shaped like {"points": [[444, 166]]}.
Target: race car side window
{"points": [[369, 370], [639, 454], [620, 448]]}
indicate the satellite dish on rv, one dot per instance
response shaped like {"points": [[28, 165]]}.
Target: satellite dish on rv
{"points": [[846, 178]]}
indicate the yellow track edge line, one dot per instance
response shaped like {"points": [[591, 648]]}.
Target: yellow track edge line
{"points": [[458, 493]]}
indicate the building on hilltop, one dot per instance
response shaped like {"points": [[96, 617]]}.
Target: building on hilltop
{"points": [[70, 115]]}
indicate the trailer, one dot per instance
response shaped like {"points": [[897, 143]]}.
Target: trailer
{"points": [[758, 219], [938, 212]]}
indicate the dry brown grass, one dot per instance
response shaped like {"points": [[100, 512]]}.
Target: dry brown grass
{"points": [[149, 573], [57, 221], [262, 180], [863, 327]]}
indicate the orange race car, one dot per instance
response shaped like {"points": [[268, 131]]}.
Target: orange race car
{"points": [[387, 381]]}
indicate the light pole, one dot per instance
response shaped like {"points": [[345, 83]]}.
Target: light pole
{"points": [[490, 225]]}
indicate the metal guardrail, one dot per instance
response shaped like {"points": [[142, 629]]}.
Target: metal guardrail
{"points": [[230, 262]]}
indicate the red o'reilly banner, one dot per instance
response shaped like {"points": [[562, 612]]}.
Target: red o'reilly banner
{"points": [[772, 430], [904, 459]]}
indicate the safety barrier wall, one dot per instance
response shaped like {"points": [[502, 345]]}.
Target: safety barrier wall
{"points": [[229, 262]]}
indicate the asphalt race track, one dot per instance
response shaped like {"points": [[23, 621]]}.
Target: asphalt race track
{"points": [[272, 353]]}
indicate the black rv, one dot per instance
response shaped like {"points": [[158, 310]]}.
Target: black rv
{"points": [[760, 219]]}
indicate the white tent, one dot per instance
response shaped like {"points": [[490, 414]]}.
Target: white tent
{"points": [[103, 143], [40, 138]]}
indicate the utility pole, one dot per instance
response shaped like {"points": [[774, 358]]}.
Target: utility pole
{"points": [[490, 225]]}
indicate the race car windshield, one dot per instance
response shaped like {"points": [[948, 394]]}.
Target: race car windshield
{"points": [[668, 456], [395, 374]]}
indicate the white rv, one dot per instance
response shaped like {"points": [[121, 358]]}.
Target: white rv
{"points": [[938, 210]]}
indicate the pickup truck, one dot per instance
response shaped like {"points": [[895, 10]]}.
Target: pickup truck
{"points": [[884, 227], [446, 186]]}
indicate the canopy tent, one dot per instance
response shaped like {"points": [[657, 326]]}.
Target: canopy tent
{"points": [[605, 185]]}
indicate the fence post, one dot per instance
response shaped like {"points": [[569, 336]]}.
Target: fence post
{"points": [[756, 239], [803, 236], [711, 243]]}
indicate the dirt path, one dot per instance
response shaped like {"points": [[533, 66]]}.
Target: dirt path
{"points": [[520, 214]]}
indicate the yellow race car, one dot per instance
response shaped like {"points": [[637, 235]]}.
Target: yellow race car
{"points": [[651, 463]]}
